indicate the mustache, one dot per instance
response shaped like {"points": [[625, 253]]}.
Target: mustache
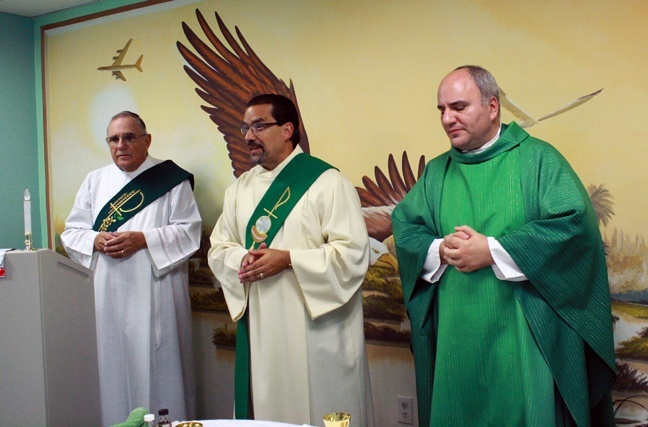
{"points": [[252, 144]]}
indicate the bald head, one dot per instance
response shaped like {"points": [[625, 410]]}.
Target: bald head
{"points": [[469, 119]]}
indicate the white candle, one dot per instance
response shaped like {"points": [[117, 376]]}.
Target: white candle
{"points": [[27, 206]]}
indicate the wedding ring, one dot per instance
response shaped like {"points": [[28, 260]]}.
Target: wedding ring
{"points": [[261, 275], [123, 253]]}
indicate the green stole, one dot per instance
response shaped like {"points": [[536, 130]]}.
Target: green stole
{"points": [[266, 220], [141, 191]]}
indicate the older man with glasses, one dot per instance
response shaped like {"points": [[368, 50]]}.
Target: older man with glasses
{"points": [[135, 223]]}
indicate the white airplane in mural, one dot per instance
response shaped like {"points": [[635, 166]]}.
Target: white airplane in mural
{"points": [[117, 66]]}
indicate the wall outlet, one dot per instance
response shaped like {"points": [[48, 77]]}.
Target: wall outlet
{"points": [[405, 410]]}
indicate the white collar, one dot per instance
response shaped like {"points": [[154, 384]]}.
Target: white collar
{"points": [[487, 145]]}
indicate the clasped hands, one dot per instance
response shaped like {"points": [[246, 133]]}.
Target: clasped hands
{"points": [[119, 244], [466, 250], [261, 263]]}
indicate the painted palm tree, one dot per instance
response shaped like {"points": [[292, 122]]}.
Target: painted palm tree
{"points": [[602, 201]]}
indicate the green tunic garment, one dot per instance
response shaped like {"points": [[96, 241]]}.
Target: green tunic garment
{"points": [[489, 352]]}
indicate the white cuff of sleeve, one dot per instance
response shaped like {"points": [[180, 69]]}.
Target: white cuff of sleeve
{"points": [[504, 268], [432, 268]]}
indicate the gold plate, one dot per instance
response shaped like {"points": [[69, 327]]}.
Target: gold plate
{"points": [[190, 424]]}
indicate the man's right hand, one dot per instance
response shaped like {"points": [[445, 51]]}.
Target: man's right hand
{"points": [[445, 245], [100, 241]]}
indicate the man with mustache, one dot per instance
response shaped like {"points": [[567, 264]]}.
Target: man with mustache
{"points": [[504, 275], [290, 251]]}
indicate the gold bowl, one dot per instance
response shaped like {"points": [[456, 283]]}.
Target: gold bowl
{"points": [[190, 424]]}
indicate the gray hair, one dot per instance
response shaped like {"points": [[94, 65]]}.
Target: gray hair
{"points": [[132, 115], [485, 82]]}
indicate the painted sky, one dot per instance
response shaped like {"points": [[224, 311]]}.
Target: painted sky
{"points": [[366, 74]]}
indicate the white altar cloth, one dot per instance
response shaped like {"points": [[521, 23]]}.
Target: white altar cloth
{"points": [[244, 423]]}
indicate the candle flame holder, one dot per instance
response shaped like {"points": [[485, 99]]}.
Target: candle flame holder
{"points": [[28, 242]]}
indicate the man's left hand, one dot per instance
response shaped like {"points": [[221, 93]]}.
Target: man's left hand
{"points": [[263, 263], [124, 244]]}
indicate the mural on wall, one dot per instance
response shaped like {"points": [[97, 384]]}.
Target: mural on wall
{"points": [[229, 75], [345, 65], [526, 120]]}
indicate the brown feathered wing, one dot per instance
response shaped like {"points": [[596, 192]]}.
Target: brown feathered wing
{"points": [[379, 198], [227, 77]]}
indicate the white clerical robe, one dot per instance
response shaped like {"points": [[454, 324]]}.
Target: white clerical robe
{"points": [[142, 301], [307, 346]]}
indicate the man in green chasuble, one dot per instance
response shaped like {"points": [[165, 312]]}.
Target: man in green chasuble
{"points": [[504, 275]]}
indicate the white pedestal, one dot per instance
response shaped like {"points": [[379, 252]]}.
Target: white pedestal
{"points": [[48, 345]]}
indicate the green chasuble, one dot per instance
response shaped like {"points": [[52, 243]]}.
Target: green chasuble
{"points": [[490, 352], [491, 373]]}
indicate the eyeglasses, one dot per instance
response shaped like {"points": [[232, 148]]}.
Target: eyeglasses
{"points": [[128, 138], [256, 127]]}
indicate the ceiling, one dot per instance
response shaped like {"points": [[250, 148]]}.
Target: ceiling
{"points": [[33, 8]]}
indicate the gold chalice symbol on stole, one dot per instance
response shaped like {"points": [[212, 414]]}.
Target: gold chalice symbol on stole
{"points": [[263, 224], [117, 208]]}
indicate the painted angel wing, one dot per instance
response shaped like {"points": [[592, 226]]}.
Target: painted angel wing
{"points": [[526, 120], [573, 104], [379, 198], [227, 77]]}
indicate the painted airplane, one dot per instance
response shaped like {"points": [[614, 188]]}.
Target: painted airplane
{"points": [[117, 66]]}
